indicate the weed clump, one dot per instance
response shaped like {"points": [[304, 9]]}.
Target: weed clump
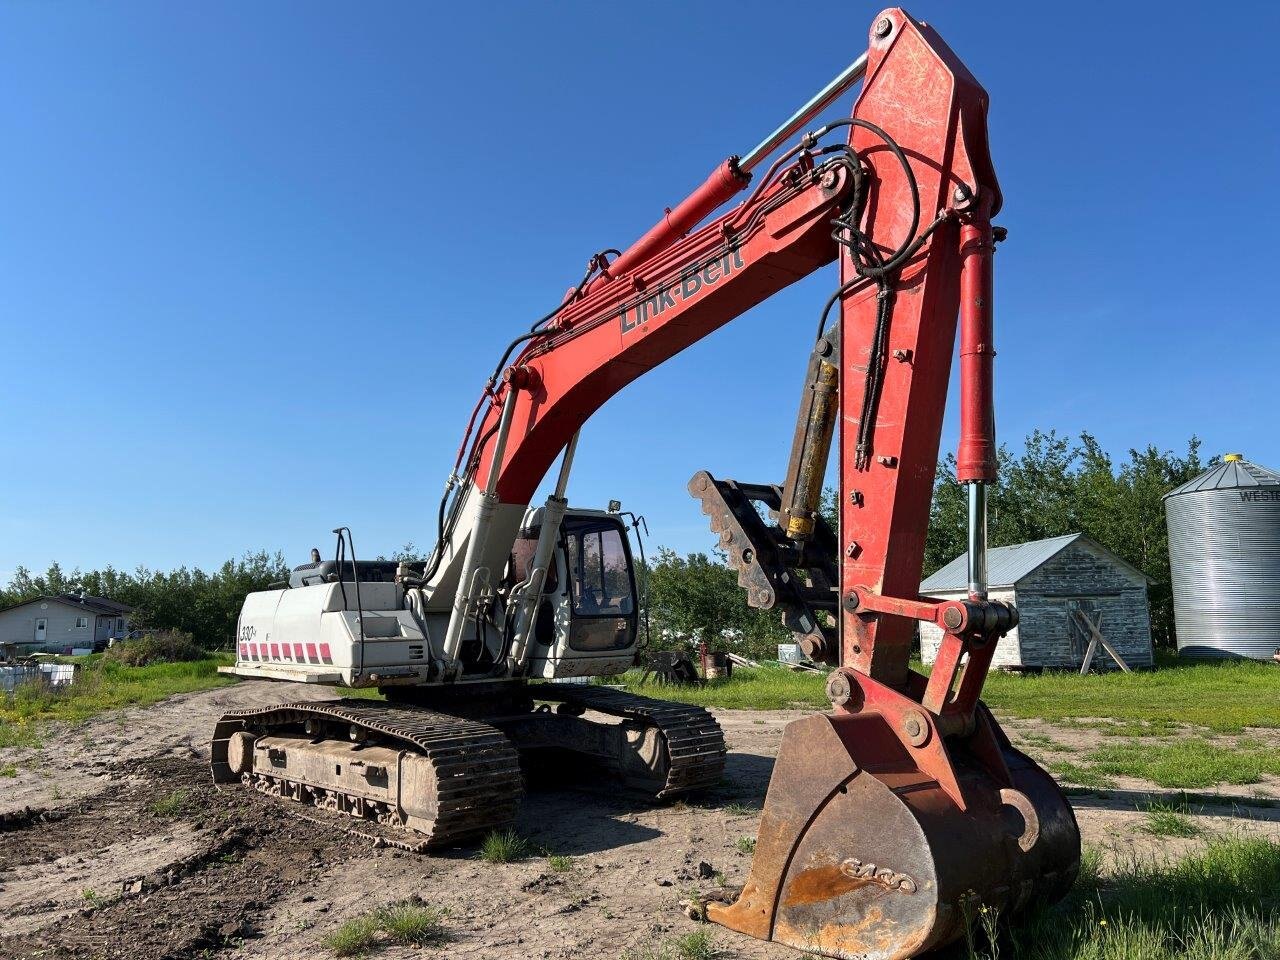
{"points": [[503, 846], [170, 805], [399, 924], [698, 945]]}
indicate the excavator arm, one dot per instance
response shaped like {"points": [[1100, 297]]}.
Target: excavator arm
{"points": [[892, 818]]}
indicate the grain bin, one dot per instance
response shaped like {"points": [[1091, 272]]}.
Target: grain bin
{"points": [[1224, 552]]}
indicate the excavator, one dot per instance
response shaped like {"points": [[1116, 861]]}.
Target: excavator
{"points": [[891, 819]]}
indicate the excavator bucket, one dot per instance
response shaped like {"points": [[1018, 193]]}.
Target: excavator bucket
{"points": [[892, 821], [864, 855]]}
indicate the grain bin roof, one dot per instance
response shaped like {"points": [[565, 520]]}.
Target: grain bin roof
{"points": [[1229, 475], [1007, 565]]}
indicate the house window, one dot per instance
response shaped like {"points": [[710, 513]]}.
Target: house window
{"points": [[119, 624], [82, 622]]}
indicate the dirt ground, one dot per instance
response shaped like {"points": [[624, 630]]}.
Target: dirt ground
{"points": [[94, 863]]}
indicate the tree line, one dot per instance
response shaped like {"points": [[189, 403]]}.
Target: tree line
{"points": [[1054, 486]]}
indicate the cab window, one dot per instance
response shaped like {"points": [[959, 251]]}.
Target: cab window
{"points": [[598, 570]]}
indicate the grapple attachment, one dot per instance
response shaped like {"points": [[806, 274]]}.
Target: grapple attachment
{"points": [[862, 854]]}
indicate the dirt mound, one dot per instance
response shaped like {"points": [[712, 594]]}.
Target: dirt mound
{"points": [[160, 865]]}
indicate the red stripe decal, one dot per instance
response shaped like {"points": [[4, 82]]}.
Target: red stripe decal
{"points": [[297, 651], [275, 651], [311, 652], [325, 655]]}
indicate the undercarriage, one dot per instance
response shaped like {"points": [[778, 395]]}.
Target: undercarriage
{"points": [[451, 768]]}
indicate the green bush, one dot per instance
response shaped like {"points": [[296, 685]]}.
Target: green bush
{"points": [[165, 646]]}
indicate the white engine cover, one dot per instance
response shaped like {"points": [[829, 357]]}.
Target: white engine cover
{"points": [[312, 634]]}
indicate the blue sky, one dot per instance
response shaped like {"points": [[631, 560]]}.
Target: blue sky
{"points": [[256, 259]]}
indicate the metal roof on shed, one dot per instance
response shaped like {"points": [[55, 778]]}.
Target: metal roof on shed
{"points": [[1229, 475], [1005, 565]]}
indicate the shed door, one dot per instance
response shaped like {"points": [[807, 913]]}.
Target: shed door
{"points": [[42, 626], [1080, 636]]}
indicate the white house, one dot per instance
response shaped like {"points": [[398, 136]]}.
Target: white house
{"points": [[62, 623]]}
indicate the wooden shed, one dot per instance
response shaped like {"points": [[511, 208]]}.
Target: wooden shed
{"points": [[1060, 586]]}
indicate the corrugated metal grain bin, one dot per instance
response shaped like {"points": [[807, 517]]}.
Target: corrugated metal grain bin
{"points": [[1224, 552]]}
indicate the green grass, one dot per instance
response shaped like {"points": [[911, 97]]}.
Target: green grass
{"points": [[1081, 775], [765, 688], [698, 945], [559, 864], [1219, 903], [1151, 708], [410, 924], [101, 685], [1185, 764], [1170, 820], [503, 846], [1224, 697], [746, 844], [362, 693], [1045, 742], [170, 805], [8, 770], [354, 938], [402, 924], [1140, 728]]}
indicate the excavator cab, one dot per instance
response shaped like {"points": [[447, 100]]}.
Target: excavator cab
{"points": [[589, 605]]}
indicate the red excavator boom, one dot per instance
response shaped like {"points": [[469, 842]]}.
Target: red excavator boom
{"points": [[894, 817]]}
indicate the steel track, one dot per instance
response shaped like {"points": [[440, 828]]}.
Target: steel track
{"points": [[478, 779]]}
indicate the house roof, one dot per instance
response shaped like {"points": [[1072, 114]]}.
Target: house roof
{"points": [[1007, 565], [99, 605], [1231, 474]]}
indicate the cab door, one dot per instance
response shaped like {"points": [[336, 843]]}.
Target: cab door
{"points": [[602, 587]]}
